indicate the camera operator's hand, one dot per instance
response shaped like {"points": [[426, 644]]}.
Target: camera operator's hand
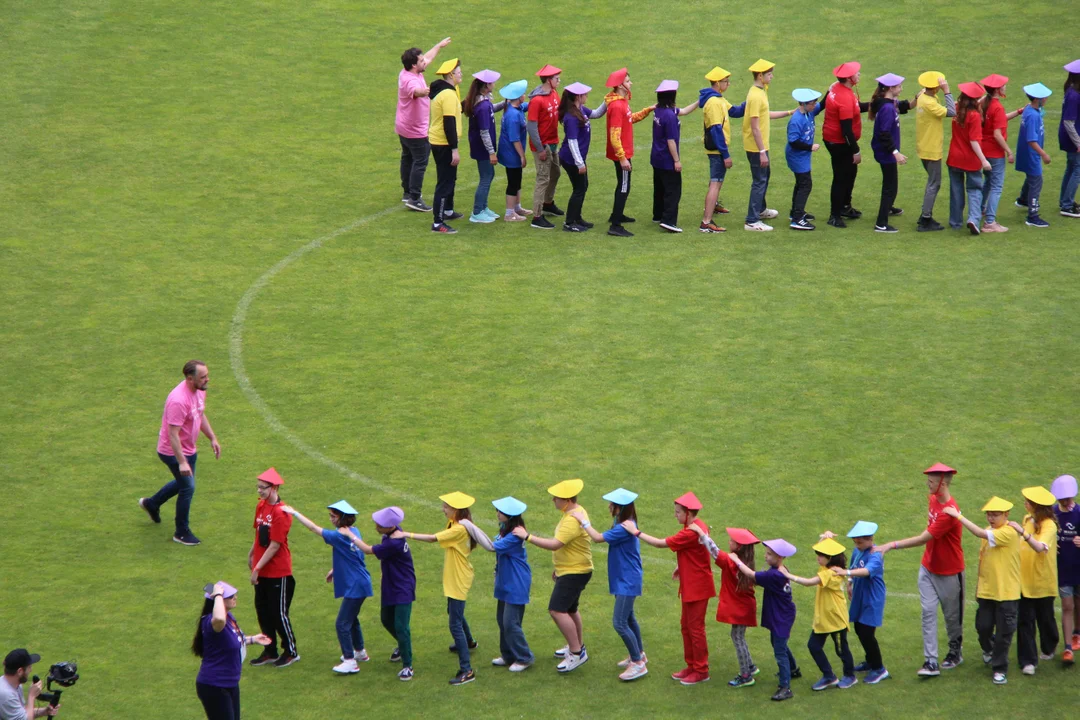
{"points": [[35, 690], [49, 710]]}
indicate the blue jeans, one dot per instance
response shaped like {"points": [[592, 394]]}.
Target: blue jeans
{"points": [[626, 625], [972, 182], [487, 174], [459, 630], [1029, 193], [785, 661], [512, 644], [182, 487], [994, 183], [347, 625], [758, 187], [1070, 182]]}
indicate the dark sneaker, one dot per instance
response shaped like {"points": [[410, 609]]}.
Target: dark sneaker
{"points": [[286, 660], [670, 228], [627, 219], [796, 674], [875, 676], [417, 205], [396, 655], [586, 224], [1073, 211], [541, 223], [847, 681], [1036, 221], [952, 661], [152, 511], [825, 683], [895, 211], [808, 216], [711, 227], [885, 229], [553, 209], [802, 224], [782, 694], [929, 669], [573, 227], [837, 222], [465, 676], [742, 681], [444, 229], [973, 227], [720, 209], [928, 224], [851, 213], [186, 539], [405, 198], [472, 646], [1020, 203], [452, 215], [405, 675], [863, 667], [619, 231], [266, 658]]}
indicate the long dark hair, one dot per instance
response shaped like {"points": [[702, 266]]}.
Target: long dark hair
{"points": [[665, 99], [876, 100], [746, 554], [1042, 514], [839, 561], [464, 514], [1072, 82], [567, 105], [469, 104], [966, 105], [512, 521], [197, 641], [624, 512]]}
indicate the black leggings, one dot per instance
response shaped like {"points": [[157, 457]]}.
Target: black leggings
{"points": [[870, 645], [218, 702], [889, 186], [804, 183], [844, 171], [580, 185], [446, 180], [513, 182]]}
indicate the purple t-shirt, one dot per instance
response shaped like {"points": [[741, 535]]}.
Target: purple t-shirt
{"points": [[887, 121], [1068, 558], [398, 575], [665, 127], [581, 132], [1070, 113], [483, 118], [223, 653], [777, 608]]}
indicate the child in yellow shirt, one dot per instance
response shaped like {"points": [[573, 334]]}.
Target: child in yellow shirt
{"points": [[930, 141], [1038, 579]]}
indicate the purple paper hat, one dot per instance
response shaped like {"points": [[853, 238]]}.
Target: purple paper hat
{"points": [[667, 86], [578, 88], [780, 546], [1073, 67], [228, 590], [890, 80], [487, 76], [389, 516], [1064, 486]]}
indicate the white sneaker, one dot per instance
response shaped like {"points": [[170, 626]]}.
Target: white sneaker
{"points": [[561, 652], [573, 661], [1028, 670], [671, 228], [1000, 679], [498, 662], [520, 667], [347, 667], [514, 217], [1046, 656], [987, 657], [769, 214], [624, 663], [758, 226], [633, 672], [359, 655]]}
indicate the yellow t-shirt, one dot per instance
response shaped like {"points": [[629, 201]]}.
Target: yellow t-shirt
{"points": [[929, 127], [457, 571], [716, 113], [575, 556], [757, 105], [999, 565], [445, 103], [830, 605], [1038, 571]]}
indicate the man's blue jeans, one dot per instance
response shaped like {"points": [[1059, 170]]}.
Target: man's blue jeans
{"points": [[182, 487]]}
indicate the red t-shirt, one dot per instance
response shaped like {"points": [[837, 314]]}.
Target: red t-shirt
{"points": [[619, 116], [841, 104], [961, 156], [735, 607], [995, 120], [944, 554], [272, 525], [544, 111], [695, 565]]}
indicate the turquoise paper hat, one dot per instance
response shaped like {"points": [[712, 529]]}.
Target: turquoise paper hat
{"points": [[863, 528], [1038, 91], [509, 506], [343, 507], [621, 496], [514, 90]]}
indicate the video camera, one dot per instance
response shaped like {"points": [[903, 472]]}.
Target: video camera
{"points": [[64, 674]]}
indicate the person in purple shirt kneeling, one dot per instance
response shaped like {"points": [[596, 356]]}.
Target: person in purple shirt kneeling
{"points": [[222, 646], [664, 158], [577, 135], [885, 111]]}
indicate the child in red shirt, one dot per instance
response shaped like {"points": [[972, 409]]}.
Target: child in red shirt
{"points": [[271, 572], [966, 160], [696, 584]]}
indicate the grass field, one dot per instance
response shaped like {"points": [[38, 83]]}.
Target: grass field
{"points": [[219, 180]]}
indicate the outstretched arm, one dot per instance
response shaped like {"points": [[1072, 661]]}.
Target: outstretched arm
{"points": [[540, 542], [596, 537], [303, 520], [972, 527], [647, 539], [808, 582], [364, 547], [747, 571], [430, 54], [478, 535], [920, 539]]}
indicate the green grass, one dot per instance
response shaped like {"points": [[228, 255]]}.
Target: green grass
{"points": [[158, 160]]}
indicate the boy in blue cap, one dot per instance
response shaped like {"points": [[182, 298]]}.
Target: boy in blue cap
{"points": [[800, 135], [867, 609], [1029, 150]]}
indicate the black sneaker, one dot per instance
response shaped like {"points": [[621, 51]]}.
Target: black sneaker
{"points": [[851, 213], [782, 693], [405, 198], [444, 229], [1073, 211], [808, 216], [885, 229], [928, 224], [929, 669], [187, 538], [472, 646], [465, 676], [286, 660], [1020, 203], [952, 661], [619, 231], [152, 511], [837, 222], [541, 223], [452, 215], [573, 227], [895, 211], [796, 674], [586, 224], [628, 219], [553, 209], [802, 224], [973, 227], [417, 205], [670, 228], [266, 658]]}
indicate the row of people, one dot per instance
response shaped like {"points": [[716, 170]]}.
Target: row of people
{"points": [[977, 157]]}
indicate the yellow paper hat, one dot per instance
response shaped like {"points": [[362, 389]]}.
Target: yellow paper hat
{"points": [[1039, 495], [717, 74], [567, 489], [931, 78], [447, 67], [458, 500], [762, 66], [997, 504], [829, 547]]}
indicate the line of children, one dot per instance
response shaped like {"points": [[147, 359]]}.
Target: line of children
{"points": [[1030, 156]]}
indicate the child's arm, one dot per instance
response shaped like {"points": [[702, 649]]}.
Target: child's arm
{"points": [[1035, 146], [710, 545], [478, 535], [303, 520], [641, 114], [972, 527], [1014, 113], [1000, 140], [364, 547], [1035, 544], [415, 536], [776, 114], [737, 111], [543, 543], [688, 109], [647, 539], [500, 106], [596, 537], [979, 154], [749, 572], [755, 130], [917, 541], [808, 582], [599, 112], [851, 572], [673, 148]]}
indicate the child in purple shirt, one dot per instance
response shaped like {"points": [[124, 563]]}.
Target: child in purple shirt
{"points": [[483, 144], [1067, 513], [577, 136], [664, 158], [885, 111]]}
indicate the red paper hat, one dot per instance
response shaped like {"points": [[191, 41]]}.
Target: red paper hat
{"points": [[939, 468], [742, 536], [972, 89], [616, 78], [846, 70], [689, 501], [548, 71], [994, 81], [271, 477]]}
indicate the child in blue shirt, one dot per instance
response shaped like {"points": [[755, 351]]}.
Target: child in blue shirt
{"points": [[800, 135], [867, 608], [1029, 151], [511, 153]]}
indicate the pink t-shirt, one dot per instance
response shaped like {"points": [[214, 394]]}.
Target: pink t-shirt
{"points": [[411, 120], [185, 409]]}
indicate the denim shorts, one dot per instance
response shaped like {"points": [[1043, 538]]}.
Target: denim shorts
{"points": [[717, 171], [1069, 591]]}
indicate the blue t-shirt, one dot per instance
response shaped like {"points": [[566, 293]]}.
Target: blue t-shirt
{"points": [[351, 577], [623, 562], [801, 128], [513, 130], [777, 607], [665, 127], [398, 575], [574, 129], [223, 653], [868, 594], [513, 576], [1031, 130]]}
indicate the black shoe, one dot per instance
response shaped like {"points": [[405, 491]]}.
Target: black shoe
{"points": [[623, 220], [837, 222], [286, 660], [929, 669], [796, 674], [586, 224], [152, 511], [782, 694], [895, 211], [885, 229], [952, 660], [472, 646], [553, 209], [802, 224], [417, 205], [928, 224], [187, 538], [541, 223], [619, 231], [396, 655], [444, 229], [807, 216], [851, 213], [452, 215], [573, 227], [266, 658], [465, 676], [973, 228], [1020, 203]]}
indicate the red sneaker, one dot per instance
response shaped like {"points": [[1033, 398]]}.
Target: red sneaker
{"points": [[694, 678], [681, 674], [1067, 657]]}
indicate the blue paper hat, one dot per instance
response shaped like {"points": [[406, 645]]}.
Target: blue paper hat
{"points": [[343, 507], [862, 528], [805, 95], [621, 496], [1038, 91], [509, 506], [514, 90]]}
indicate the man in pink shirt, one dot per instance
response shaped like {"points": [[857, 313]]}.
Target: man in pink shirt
{"points": [[183, 419], [411, 123]]}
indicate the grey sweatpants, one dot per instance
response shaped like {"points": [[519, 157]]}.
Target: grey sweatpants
{"points": [[933, 184], [948, 592], [547, 176]]}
